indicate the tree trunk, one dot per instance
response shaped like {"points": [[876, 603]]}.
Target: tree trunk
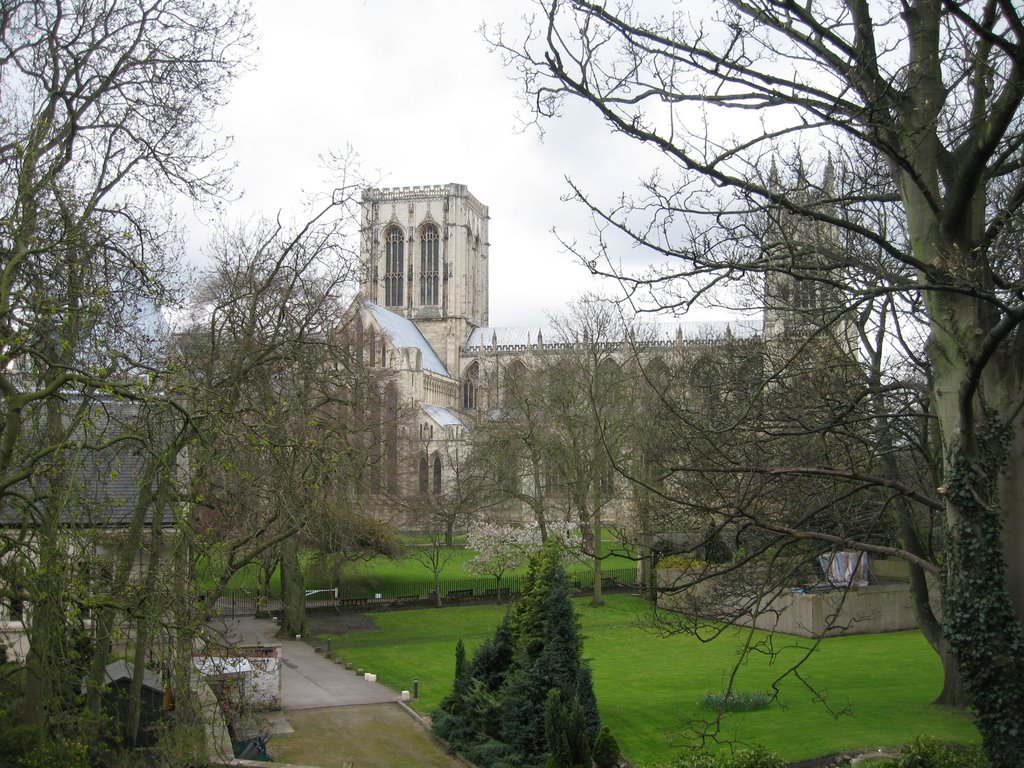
{"points": [[293, 591], [143, 630], [980, 624], [598, 599]]}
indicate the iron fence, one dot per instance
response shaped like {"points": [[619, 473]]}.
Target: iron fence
{"points": [[244, 602]]}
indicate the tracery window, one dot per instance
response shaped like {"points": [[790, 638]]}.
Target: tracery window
{"points": [[437, 475], [805, 295], [430, 265], [469, 388], [424, 473], [391, 438], [394, 267]]}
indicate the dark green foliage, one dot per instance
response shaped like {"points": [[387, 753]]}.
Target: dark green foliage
{"points": [[927, 753], [758, 757], [588, 701], [26, 746], [716, 551], [566, 734], [736, 701], [580, 742], [606, 750], [559, 754], [497, 713], [493, 659], [978, 617], [460, 660]]}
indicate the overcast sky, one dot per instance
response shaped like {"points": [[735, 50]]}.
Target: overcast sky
{"points": [[412, 86]]}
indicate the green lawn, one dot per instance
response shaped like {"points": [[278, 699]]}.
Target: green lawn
{"points": [[648, 687], [404, 573]]}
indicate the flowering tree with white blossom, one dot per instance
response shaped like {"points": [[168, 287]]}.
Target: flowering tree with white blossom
{"points": [[503, 547]]}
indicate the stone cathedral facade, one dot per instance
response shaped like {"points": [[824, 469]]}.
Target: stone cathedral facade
{"points": [[421, 315]]}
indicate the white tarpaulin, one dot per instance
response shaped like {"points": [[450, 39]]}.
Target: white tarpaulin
{"points": [[845, 568]]}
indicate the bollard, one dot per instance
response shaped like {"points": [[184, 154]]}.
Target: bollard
{"points": [[415, 687]]}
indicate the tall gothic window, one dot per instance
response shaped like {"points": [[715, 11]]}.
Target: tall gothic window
{"points": [[805, 295], [391, 438], [424, 476], [430, 266], [437, 475], [394, 267], [469, 388]]}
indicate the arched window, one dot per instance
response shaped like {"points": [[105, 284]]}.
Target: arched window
{"points": [[469, 387], [391, 438], [430, 266], [424, 474], [437, 475], [514, 380], [394, 267]]}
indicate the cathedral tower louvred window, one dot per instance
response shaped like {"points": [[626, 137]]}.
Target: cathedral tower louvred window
{"points": [[430, 266], [394, 267]]}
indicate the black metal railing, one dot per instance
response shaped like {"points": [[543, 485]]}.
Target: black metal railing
{"points": [[453, 591]]}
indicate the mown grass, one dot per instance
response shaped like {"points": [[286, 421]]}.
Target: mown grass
{"points": [[407, 571], [650, 688]]}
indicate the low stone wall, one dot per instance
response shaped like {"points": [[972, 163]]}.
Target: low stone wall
{"points": [[859, 610]]}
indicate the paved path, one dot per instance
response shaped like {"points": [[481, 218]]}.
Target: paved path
{"points": [[325, 720], [308, 680]]}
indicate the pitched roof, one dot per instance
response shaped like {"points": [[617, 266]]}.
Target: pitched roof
{"points": [[125, 670], [443, 416], [102, 470], [404, 334], [503, 336], [659, 333]]}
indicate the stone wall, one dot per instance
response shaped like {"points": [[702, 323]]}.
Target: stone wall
{"points": [[858, 610]]}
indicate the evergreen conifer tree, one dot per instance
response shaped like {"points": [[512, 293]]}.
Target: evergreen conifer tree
{"points": [[501, 706]]}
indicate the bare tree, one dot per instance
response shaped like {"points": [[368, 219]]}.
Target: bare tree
{"points": [[271, 383], [99, 103], [924, 100]]}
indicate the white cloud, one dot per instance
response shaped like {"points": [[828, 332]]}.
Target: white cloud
{"points": [[413, 88]]}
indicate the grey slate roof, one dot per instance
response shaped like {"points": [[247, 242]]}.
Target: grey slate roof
{"points": [[443, 416], [505, 336], [404, 334], [660, 333], [102, 483]]}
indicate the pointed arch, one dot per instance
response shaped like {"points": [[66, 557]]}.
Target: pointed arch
{"points": [[430, 265], [391, 436], [394, 267], [437, 474], [469, 386], [512, 381], [359, 340], [424, 475]]}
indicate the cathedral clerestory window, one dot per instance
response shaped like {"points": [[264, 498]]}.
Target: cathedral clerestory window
{"points": [[430, 266], [394, 268], [469, 388]]}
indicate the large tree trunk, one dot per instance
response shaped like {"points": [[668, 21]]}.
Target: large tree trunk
{"points": [[293, 591], [980, 623]]}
